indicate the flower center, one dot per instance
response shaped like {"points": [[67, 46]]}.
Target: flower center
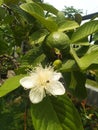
{"points": [[47, 81], [44, 83], [44, 78]]}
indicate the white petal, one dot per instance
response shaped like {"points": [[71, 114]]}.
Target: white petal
{"points": [[36, 94], [27, 82], [56, 76], [56, 88]]}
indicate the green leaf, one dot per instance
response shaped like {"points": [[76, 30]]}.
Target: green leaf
{"points": [[68, 25], [69, 65], [67, 78], [39, 59], [60, 17], [3, 46], [92, 84], [34, 10], [38, 37], [55, 114], [10, 2], [85, 30], [10, 85], [1, 2], [92, 48], [78, 18], [67, 113], [24, 15], [95, 37], [89, 59], [2, 13], [33, 56], [75, 82], [8, 19], [77, 85], [44, 116], [49, 8]]}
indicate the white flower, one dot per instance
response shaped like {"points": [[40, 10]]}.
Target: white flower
{"points": [[43, 81]]}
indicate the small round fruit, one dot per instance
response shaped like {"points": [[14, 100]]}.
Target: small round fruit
{"points": [[58, 40], [57, 64]]}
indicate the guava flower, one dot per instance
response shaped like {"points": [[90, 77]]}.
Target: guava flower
{"points": [[43, 81]]}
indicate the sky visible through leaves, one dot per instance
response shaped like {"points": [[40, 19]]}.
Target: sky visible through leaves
{"points": [[87, 5]]}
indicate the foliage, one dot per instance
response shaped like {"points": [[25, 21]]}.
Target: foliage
{"points": [[27, 31], [71, 11], [14, 111], [89, 115]]}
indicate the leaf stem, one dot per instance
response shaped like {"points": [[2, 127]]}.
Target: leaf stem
{"points": [[74, 55]]}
